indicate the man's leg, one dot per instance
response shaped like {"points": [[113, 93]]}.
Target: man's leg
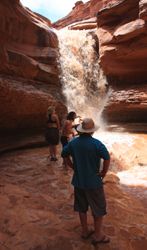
{"points": [[86, 233], [83, 220], [98, 227], [81, 206], [99, 236], [97, 203]]}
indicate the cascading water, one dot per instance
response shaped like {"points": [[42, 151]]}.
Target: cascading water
{"points": [[83, 82]]}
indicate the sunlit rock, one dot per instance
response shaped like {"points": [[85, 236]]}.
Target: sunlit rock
{"points": [[27, 41], [143, 9], [86, 24], [79, 13], [29, 71], [129, 30], [125, 50], [111, 178], [123, 54]]}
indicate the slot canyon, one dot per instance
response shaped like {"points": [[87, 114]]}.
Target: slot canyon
{"points": [[92, 61]]}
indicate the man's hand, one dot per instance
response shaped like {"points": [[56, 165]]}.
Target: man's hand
{"points": [[102, 174], [68, 162]]}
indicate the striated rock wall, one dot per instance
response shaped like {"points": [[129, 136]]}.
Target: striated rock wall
{"points": [[23, 103], [123, 39], [83, 12], [28, 68], [123, 57], [127, 104], [80, 12], [28, 44]]}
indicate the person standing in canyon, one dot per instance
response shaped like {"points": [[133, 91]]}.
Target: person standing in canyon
{"points": [[86, 153], [68, 131], [52, 132]]}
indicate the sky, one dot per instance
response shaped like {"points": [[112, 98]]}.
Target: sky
{"points": [[52, 9]]}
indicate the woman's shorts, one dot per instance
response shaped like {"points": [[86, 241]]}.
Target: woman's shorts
{"points": [[93, 198], [52, 136]]}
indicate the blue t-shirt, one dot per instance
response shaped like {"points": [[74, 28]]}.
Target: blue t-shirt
{"points": [[86, 153]]}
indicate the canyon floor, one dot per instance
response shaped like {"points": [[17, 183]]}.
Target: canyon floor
{"points": [[36, 204]]}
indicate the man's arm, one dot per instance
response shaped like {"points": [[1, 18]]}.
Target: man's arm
{"points": [[106, 164], [104, 154], [68, 162]]}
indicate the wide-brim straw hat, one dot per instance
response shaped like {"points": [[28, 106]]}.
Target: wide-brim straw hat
{"points": [[87, 126]]}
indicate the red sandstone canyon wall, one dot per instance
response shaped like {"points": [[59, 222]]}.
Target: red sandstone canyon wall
{"points": [[82, 12], [123, 57], [28, 69]]}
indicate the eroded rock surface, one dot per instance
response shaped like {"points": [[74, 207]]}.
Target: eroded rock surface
{"points": [[122, 40], [84, 14], [123, 57], [128, 104], [28, 44], [23, 103], [29, 79]]}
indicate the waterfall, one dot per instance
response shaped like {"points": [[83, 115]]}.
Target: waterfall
{"points": [[84, 85]]}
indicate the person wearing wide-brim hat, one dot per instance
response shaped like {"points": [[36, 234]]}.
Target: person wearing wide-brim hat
{"points": [[86, 153], [52, 132], [87, 126]]}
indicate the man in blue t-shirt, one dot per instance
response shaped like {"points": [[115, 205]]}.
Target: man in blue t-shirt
{"points": [[86, 153]]}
